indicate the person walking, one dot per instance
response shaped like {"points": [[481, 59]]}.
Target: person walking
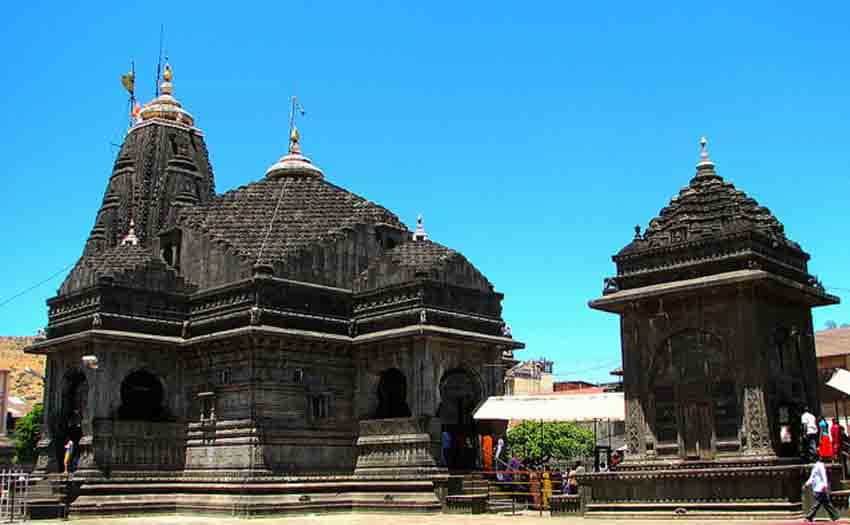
{"points": [[819, 482], [810, 431]]}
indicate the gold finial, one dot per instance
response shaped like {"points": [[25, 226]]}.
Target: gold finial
{"points": [[129, 81], [294, 136], [167, 74]]}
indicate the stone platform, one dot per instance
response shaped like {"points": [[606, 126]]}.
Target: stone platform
{"points": [[142, 494], [710, 490]]}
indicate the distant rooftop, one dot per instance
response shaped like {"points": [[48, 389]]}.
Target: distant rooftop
{"points": [[832, 342]]}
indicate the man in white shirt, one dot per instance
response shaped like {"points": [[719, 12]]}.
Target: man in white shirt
{"points": [[820, 489], [810, 431]]}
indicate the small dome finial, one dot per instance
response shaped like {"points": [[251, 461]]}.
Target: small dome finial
{"points": [[130, 238], [165, 87], [704, 160], [294, 136], [165, 106], [294, 163], [420, 234], [294, 140], [637, 232]]}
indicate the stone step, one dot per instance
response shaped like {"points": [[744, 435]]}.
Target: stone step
{"points": [[502, 504], [44, 501], [765, 509]]}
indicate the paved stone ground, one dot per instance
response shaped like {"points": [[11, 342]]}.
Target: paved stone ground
{"points": [[389, 519]]}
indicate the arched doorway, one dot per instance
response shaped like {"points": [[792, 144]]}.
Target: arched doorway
{"points": [[460, 393], [75, 392], [141, 397], [392, 395], [695, 393]]}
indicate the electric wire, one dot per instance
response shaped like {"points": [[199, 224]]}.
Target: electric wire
{"points": [[33, 287]]}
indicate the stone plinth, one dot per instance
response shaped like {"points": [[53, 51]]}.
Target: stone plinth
{"points": [[398, 447], [769, 489]]}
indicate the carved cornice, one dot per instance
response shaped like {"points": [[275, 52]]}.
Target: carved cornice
{"points": [[275, 302]]}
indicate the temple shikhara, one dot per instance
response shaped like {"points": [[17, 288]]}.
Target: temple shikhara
{"points": [[284, 345], [718, 358]]}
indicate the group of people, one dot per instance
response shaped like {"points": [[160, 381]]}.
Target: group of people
{"points": [[824, 439], [469, 451], [538, 485]]}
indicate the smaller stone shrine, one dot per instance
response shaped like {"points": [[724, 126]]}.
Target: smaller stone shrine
{"points": [[718, 359]]}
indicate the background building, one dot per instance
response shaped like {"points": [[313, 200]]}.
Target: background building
{"points": [[529, 377], [833, 351]]}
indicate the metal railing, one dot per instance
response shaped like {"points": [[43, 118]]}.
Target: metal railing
{"points": [[14, 491], [526, 489]]}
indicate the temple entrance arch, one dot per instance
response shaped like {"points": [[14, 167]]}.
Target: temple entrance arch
{"points": [[695, 392], [460, 394], [75, 393], [392, 395], [141, 397]]}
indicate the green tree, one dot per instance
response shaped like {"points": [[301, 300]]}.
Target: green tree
{"points": [[27, 432], [536, 443]]}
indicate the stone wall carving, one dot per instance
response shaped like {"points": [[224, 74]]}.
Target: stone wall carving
{"points": [[756, 423]]}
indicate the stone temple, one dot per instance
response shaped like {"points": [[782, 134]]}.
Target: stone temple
{"points": [[718, 358], [287, 345]]}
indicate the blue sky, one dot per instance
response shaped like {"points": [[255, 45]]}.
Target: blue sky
{"points": [[532, 136]]}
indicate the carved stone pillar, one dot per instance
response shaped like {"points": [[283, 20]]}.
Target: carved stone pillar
{"points": [[45, 457], [87, 465], [756, 426], [635, 428]]}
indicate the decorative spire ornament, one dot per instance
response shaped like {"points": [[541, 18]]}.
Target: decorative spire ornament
{"points": [[294, 163], [130, 238], [420, 234], [165, 106], [704, 160], [294, 136]]}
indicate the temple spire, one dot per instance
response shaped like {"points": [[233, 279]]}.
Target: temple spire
{"points": [[420, 234]]}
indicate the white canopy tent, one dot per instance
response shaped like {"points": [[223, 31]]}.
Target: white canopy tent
{"points": [[570, 407], [606, 407], [840, 380]]}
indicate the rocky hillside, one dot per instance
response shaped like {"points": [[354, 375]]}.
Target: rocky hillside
{"points": [[13, 358]]}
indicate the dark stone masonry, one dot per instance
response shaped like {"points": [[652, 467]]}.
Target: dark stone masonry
{"points": [[718, 359], [287, 345]]}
